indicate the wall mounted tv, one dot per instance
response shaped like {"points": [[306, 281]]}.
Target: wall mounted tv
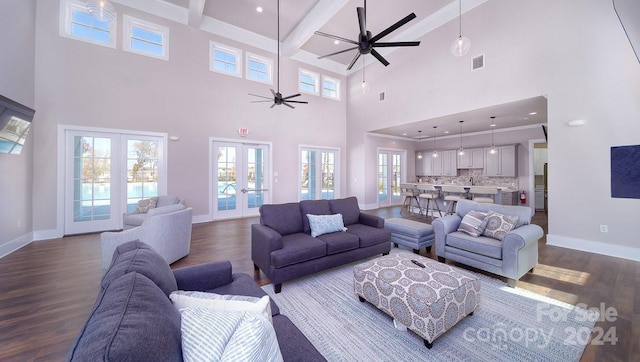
{"points": [[15, 121]]}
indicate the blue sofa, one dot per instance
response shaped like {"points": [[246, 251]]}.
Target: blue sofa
{"points": [[283, 248], [134, 320]]}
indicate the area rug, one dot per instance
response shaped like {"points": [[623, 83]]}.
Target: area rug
{"points": [[511, 324]]}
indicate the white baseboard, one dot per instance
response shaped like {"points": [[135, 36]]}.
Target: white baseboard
{"points": [[198, 219], [15, 244], [47, 234], [596, 247]]}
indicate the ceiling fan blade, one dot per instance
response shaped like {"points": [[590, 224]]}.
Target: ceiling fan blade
{"points": [[336, 37], [362, 20], [338, 52], [274, 92], [354, 60], [379, 57], [303, 102], [259, 96], [393, 27], [288, 105], [292, 96], [397, 44], [273, 105]]}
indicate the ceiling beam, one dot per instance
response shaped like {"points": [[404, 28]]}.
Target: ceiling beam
{"points": [[196, 12]]}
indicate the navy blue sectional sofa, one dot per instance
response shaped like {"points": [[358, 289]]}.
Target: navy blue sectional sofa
{"points": [[134, 320], [283, 248]]}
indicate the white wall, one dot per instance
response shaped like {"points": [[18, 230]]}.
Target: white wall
{"points": [[17, 56], [573, 52], [88, 85]]}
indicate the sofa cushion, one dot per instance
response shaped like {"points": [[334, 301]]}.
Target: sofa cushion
{"points": [[285, 219], [139, 257], [369, 235], [227, 336], [325, 224], [473, 223], [132, 320], [349, 209], [481, 245], [498, 225], [166, 200], [313, 207], [297, 248], [236, 303], [339, 242]]}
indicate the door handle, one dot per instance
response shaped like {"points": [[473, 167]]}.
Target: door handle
{"points": [[244, 191]]}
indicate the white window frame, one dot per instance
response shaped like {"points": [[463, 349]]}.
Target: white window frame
{"points": [[213, 46], [67, 7], [334, 81], [129, 22], [316, 78], [267, 61]]}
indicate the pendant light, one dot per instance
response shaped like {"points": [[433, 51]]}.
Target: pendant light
{"points": [[493, 127], [461, 150], [101, 10], [365, 86], [419, 156], [435, 149], [462, 44]]}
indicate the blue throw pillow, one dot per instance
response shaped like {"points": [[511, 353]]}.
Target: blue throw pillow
{"points": [[324, 224]]}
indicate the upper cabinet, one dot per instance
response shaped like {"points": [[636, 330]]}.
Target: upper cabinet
{"points": [[472, 158], [443, 165], [501, 163]]}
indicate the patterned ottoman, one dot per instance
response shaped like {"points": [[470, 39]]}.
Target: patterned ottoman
{"points": [[426, 296], [413, 234]]}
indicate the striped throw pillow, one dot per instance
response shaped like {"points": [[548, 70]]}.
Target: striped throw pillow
{"points": [[473, 223]]}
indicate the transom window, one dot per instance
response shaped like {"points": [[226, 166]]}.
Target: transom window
{"points": [[76, 23], [308, 82], [330, 88], [142, 37], [225, 59], [259, 68]]}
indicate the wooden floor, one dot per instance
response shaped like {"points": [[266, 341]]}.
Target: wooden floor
{"points": [[48, 288]]}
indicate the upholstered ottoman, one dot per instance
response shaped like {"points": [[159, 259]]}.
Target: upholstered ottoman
{"points": [[413, 234], [426, 296]]}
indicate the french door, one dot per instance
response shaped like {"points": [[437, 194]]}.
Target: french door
{"points": [[106, 174], [240, 178], [390, 171], [318, 173]]}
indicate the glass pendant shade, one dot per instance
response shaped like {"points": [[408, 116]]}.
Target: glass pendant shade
{"points": [[461, 149], [461, 46], [419, 155], [102, 10], [435, 149], [493, 126]]}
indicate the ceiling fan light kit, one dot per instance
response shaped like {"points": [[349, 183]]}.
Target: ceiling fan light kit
{"points": [[462, 44], [277, 98]]}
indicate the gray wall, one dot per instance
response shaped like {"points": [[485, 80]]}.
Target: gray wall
{"points": [[573, 52], [17, 71]]}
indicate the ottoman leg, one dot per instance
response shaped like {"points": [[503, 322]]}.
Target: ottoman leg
{"points": [[441, 259], [395, 245], [416, 251], [428, 344], [429, 249]]}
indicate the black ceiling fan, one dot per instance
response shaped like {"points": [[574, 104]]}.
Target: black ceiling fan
{"points": [[366, 43], [277, 98]]}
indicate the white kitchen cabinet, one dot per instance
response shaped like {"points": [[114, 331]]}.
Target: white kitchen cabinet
{"points": [[539, 199], [472, 158], [509, 197], [443, 165], [501, 163]]}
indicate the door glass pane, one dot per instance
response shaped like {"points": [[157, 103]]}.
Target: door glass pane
{"points": [[142, 171], [92, 179], [307, 179], [383, 169], [226, 178], [396, 169], [328, 175], [255, 177]]}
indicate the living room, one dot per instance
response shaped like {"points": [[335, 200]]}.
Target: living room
{"points": [[574, 54]]}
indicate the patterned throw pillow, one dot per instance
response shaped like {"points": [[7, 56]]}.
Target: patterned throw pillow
{"points": [[145, 205], [324, 224], [209, 335], [239, 303], [473, 223], [498, 225]]}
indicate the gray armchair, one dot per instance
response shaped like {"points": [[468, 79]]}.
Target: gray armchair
{"points": [[512, 257], [132, 219], [167, 231]]}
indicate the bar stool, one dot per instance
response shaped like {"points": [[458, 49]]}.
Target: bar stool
{"points": [[410, 193], [452, 194], [483, 194], [431, 194]]}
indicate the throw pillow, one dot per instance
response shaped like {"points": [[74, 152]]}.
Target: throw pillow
{"points": [[473, 223], [209, 335], [145, 205], [239, 303], [498, 225], [325, 224]]}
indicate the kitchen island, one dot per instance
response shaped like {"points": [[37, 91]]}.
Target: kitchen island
{"points": [[505, 195]]}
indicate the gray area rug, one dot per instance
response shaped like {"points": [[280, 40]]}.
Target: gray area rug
{"points": [[511, 324]]}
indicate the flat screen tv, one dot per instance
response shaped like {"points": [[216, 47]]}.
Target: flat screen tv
{"points": [[15, 121]]}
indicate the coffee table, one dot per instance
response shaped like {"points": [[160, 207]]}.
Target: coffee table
{"points": [[426, 296]]}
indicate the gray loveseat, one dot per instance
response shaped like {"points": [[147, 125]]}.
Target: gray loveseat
{"points": [[134, 320], [283, 248], [134, 219], [511, 257]]}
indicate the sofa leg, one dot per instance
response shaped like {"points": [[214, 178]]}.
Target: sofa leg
{"points": [[441, 259], [255, 267], [416, 251], [387, 253], [511, 282], [277, 287]]}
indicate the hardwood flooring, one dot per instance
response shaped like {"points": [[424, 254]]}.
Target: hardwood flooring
{"points": [[47, 288]]}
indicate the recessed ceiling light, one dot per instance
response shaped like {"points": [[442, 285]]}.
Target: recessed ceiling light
{"points": [[533, 113], [404, 134], [259, 9], [336, 42], [446, 132], [576, 123]]}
